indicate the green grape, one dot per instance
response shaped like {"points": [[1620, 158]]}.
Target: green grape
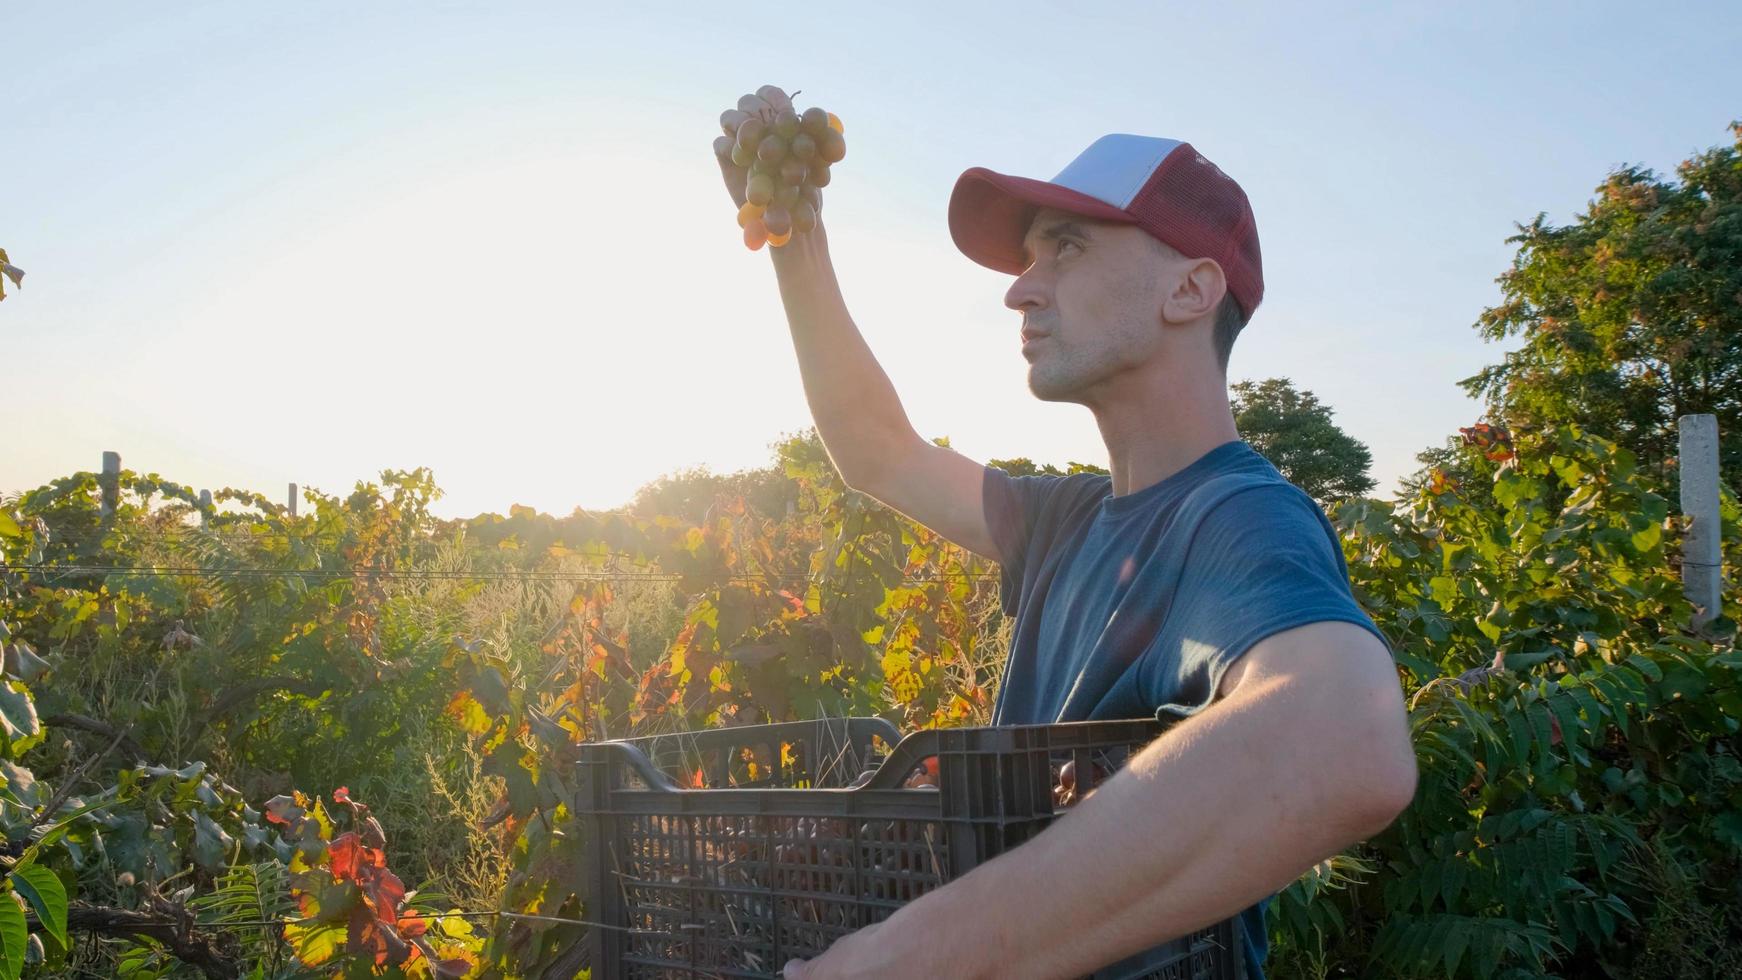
{"points": [[819, 175], [804, 217], [777, 220], [786, 195], [792, 171], [786, 123], [775, 96], [752, 104], [742, 157], [804, 147], [833, 147], [772, 149], [731, 119], [750, 133], [811, 195], [815, 121], [759, 189]]}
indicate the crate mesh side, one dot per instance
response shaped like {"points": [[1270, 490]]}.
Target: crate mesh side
{"points": [[736, 895], [1207, 954]]}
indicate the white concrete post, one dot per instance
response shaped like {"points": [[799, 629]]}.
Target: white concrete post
{"points": [[110, 483], [1701, 560]]}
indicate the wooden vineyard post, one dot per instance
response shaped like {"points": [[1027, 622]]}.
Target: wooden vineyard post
{"points": [[1701, 560], [293, 500]]}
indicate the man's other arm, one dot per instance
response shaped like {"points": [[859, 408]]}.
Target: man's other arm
{"points": [[860, 417], [1306, 752]]}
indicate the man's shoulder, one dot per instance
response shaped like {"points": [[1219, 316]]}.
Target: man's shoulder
{"points": [[1252, 517], [1241, 494], [1042, 489]]}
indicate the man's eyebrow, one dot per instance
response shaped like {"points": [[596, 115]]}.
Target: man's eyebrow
{"points": [[1053, 232]]}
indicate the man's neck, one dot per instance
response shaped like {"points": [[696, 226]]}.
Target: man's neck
{"points": [[1163, 426]]}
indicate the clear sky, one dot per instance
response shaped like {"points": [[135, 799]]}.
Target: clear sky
{"points": [[277, 242]]}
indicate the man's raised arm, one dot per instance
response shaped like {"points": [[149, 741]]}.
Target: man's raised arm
{"points": [[857, 412]]}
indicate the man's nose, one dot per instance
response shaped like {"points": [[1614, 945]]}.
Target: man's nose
{"points": [[1026, 293]]}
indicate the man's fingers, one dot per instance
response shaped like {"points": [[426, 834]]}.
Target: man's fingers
{"points": [[793, 970], [734, 177]]}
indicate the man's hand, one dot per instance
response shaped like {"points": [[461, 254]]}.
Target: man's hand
{"points": [[861, 954], [734, 176], [764, 103]]}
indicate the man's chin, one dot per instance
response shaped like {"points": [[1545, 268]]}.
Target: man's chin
{"points": [[1050, 389]]}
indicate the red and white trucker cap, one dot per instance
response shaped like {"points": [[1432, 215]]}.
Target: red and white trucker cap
{"points": [[1160, 185]]}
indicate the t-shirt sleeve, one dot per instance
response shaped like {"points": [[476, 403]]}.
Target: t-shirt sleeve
{"points": [[1262, 561], [1022, 512]]}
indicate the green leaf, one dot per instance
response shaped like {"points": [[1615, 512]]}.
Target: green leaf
{"points": [[1729, 828], [1647, 538], [1566, 710], [1444, 590], [1518, 727], [14, 934], [1542, 723], [60, 828], [1645, 666], [45, 893], [19, 729], [211, 844], [1684, 682], [1453, 950]]}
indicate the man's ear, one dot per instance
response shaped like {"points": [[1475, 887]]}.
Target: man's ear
{"points": [[1197, 293]]}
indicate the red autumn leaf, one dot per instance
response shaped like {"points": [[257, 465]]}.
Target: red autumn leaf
{"points": [[367, 936], [284, 810], [341, 795], [346, 855], [386, 892], [373, 835], [453, 968]]}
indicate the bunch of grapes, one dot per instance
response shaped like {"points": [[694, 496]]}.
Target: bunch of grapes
{"points": [[785, 156]]}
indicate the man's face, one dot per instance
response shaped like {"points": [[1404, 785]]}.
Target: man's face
{"points": [[1091, 303]]}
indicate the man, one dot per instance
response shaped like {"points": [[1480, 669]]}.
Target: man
{"points": [[1194, 583]]}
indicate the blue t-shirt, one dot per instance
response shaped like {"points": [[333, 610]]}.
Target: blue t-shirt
{"points": [[1134, 606]]}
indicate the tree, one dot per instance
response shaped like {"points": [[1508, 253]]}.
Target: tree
{"points": [[1294, 430], [1023, 466], [1288, 427], [1631, 315], [1451, 466], [689, 494]]}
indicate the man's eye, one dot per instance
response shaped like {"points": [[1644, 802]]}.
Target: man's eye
{"points": [[1062, 243]]}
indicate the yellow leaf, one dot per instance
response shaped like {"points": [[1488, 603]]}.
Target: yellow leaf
{"points": [[316, 942], [9, 271]]}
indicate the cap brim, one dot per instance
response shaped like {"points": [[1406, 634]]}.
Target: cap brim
{"points": [[990, 214]]}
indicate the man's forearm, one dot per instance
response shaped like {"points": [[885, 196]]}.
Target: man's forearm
{"points": [[1226, 809], [857, 412]]}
